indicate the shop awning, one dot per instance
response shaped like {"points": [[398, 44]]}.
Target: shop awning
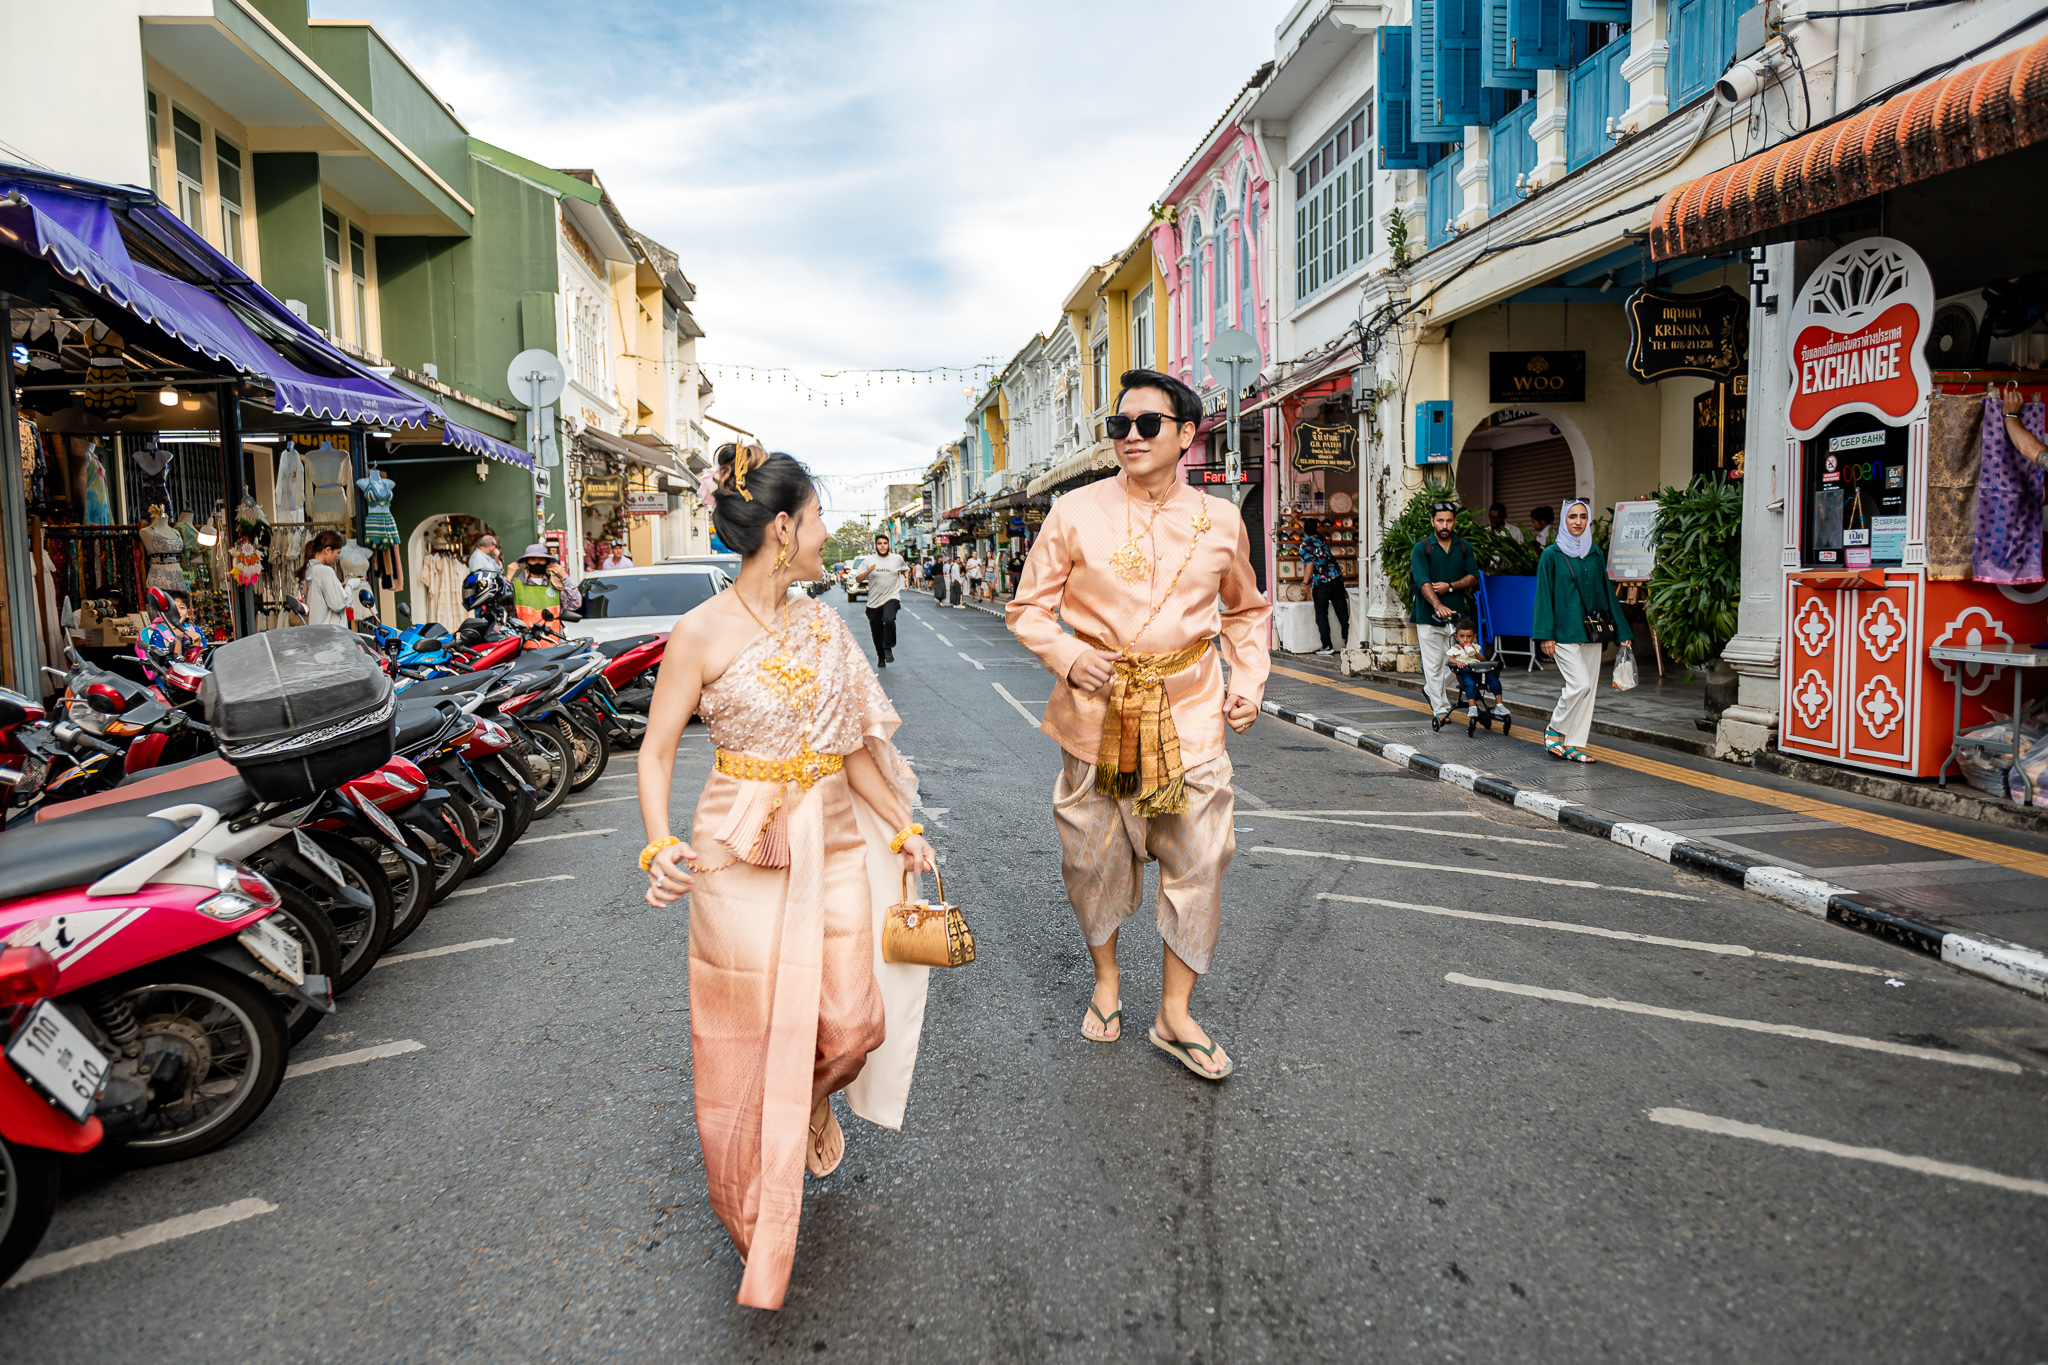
{"points": [[75, 228], [1101, 455], [1345, 359], [1980, 112], [489, 447], [597, 439]]}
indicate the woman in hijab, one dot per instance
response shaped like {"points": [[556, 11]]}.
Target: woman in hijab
{"points": [[1576, 617]]}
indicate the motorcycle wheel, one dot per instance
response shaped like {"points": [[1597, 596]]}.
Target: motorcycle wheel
{"points": [[234, 1040], [554, 751], [589, 748], [494, 832], [361, 932], [28, 1196], [518, 804], [410, 886], [305, 921], [452, 865]]}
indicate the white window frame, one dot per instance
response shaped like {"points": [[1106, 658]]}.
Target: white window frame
{"points": [[191, 201], [1143, 350], [333, 225], [359, 282], [227, 156], [1333, 227]]}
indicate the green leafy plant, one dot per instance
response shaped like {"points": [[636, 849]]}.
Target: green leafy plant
{"points": [[1697, 584], [1397, 236]]}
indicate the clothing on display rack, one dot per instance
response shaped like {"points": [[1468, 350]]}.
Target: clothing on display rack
{"points": [[99, 498], [1955, 449], [290, 495], [328, 468], [107, 367], [2009, 493], [150, 486], [380, 528]]}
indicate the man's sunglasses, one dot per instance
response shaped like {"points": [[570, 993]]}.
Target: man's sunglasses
{"points": [[1147, 423]]}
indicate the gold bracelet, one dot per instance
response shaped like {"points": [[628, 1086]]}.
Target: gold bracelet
{"points": [[904, 836], [647, 853]]}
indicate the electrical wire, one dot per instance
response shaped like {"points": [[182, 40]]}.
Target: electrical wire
{"points": [[1905, 8]]}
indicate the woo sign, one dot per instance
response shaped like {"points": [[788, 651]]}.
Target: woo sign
{"points": [[1534, 376], [1856, 337]]}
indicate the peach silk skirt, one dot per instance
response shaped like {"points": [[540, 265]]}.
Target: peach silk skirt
{"points": [[790, 1001]]}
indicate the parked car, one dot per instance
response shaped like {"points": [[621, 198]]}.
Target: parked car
{"points": [[856, 588], [625, 602], [729, 563]]}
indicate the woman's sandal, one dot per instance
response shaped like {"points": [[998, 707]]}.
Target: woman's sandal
{"points": [[1184, 1053], [1107, 1020], [1576, 755], [1553, 744], [814, 1157]]}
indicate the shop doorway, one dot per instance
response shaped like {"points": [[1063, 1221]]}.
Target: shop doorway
{"points": [[437, 557], [1524, 459]]}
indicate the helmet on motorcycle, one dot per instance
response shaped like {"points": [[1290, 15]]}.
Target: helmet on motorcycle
{"points": [[485, 588]]}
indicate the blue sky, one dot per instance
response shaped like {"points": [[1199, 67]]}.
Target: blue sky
{"points": [[860, 183]]}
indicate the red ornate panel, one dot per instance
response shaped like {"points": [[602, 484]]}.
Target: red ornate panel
{"points": [[1882, 686], [1812, 672]]}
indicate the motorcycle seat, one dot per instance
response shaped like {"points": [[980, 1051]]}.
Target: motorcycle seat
{"points": [[419, 722], [550, 653], [229, 795], [66, 853], [612, 649], [452, 684]]}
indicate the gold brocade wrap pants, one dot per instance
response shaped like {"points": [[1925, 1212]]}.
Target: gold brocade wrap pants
{"points": [[784, 1010], [1139, 756], [1105, 843]]}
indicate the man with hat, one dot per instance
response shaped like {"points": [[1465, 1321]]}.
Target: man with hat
{"points": [[1444, 571], [538, 585]]}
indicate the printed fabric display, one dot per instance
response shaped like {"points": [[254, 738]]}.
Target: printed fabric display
{"points": [[2009, 491], [379, 527], [1955, 449]]}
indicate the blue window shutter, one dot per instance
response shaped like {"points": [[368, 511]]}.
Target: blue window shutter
{"points": [[1617, 53], [1462, 99], [1585, 124], [1537, 36], [1598, 11], [1395, 114], [1429, 126], [1702, 45], [1433, 433], [1510, 153], [1494, 70]]}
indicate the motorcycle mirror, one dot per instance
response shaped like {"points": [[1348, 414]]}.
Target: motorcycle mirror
{"points": [[566, 615], [160, 599], [551, 614], [297, 607], [405, 610], [106, 699]]}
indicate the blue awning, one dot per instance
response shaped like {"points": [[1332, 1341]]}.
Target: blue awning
{"points": [[476, 443]]}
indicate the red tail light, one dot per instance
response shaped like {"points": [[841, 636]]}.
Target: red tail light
{"points": [[26, 974]]}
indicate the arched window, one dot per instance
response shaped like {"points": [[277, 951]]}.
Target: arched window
{"points": [[1194, 240], [1247, 252], [1220, 260]]}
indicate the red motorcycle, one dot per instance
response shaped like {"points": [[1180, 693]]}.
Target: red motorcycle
{"points": [[34, 1129]]}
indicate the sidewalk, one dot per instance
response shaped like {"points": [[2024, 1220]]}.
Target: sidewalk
{"points": [[1952, 887]]}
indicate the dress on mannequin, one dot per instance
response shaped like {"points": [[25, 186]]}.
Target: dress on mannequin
{"points": [[99, 502], [152, 487], [166, 551], [290, 498], [380, 528], [328, 467]]}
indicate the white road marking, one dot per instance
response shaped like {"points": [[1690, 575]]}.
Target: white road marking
{"points": [[1411, 814], [971, 659], [396, 958], [1257, 801], [1411, 829], [926, 624], [503, 886], [1776, 1137], [153, 1234], [597, 801], [943, 640], [1029, 719], [1925, 1054], [573, 834], [1655, 940], [1474, 872], [361, 1054]]}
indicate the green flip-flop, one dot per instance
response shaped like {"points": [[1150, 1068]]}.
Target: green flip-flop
{"points": [[1184, 1053], [1107, 1020]]}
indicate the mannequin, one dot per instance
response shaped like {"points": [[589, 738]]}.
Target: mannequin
{"points": [[379, 527], [165, 548], [290, 497], [328, 468]]}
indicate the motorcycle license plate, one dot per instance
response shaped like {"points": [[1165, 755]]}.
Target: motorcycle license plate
{"points": [[319, 857], [384, 823], [51, 1051], [276, 949]]}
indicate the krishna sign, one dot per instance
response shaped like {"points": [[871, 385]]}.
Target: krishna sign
{"points": [[1856, 337]]}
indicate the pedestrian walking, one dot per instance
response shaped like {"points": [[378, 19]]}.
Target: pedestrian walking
{"points": [[956, 582], [974, 577], [885, 595], [326, 603], [485, 556], [1139, 703], [789, 869], [1444, 571], [1577, 617], [1326, 585]]}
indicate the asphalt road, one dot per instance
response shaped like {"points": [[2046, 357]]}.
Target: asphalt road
{"points": [[1449, 1136]]}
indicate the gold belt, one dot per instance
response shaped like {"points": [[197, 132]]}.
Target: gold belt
{"points": [[1139, 755], [806, 769]]}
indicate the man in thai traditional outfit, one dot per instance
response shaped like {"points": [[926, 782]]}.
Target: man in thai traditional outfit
{"points": [[1137, 565]]}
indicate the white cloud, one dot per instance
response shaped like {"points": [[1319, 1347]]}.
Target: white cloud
{"points": [[887, 183]]}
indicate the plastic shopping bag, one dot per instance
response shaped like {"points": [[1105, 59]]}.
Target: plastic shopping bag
{"points": [[1625, 670]]}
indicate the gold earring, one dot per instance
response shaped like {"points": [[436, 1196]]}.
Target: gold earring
{"points": [[782, 556]]}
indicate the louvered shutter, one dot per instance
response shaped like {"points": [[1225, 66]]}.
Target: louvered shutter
{"points": [[1427, 113], [1537, 38], [1598, 11], [1395, 100], [1494, 70], [1462, 101]]}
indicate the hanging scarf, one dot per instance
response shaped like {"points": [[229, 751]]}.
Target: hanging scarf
{"points": [[1575, 545]]}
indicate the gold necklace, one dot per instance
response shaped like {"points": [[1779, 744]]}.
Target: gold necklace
{"points": [[1130, 562], [1196, 527]]}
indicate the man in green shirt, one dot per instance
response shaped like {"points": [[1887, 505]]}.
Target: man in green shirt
{"points": [[1444, 571]]}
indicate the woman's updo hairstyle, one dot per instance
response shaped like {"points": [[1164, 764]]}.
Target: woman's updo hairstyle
{"points": [[751, 488]]}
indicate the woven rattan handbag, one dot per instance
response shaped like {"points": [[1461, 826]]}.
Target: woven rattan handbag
{"points": [[919, 934]]}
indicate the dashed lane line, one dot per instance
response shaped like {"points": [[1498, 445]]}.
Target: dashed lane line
{"points": [[1412, 829], [149, 1235], [1473, 871], [1925, 1054], [943, 640], [1654, 940], [361, 1054], [978, 668], [572, 834], [1004, 692], [506, 886], [1778, 1137], [394, 959]]}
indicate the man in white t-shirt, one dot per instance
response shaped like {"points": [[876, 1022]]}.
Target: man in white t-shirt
{"points": [[486, 555], [885, 598]]}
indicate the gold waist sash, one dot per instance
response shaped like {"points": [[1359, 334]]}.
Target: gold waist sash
{"points": [[806, 769], [1140, 751]]}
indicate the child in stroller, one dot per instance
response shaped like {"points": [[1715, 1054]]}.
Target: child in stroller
{"points": [[1477, 673]]}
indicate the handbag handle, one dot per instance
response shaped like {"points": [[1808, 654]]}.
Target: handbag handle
{"points": [[910, 883]]}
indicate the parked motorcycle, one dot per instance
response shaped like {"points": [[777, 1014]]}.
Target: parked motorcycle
{"points": [[47, 1094]]}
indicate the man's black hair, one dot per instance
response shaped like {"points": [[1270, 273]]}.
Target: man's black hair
{"points": [[1186, 407], [1542, 514], [1499, 507]]}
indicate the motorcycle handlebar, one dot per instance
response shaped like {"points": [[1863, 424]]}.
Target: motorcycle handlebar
{"points": [[72, 735]]}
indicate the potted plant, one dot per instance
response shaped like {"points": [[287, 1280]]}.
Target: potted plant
{"points": [[1697, 583]]}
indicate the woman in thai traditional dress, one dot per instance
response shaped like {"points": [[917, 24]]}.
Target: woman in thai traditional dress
{"points": [[801, 840]]}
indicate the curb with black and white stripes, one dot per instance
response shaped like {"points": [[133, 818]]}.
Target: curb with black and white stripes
{"points": [[2006, 963]]}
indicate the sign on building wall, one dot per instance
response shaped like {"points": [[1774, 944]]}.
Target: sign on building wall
{"points": [[603, 490], [1632, 543], [1720, 417], [1700, 334], [1856, 337], [646, 502], [1331, 448], [1536, 377]]}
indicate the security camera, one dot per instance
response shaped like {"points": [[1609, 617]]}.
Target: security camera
{"points": [[1743, 79]]}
